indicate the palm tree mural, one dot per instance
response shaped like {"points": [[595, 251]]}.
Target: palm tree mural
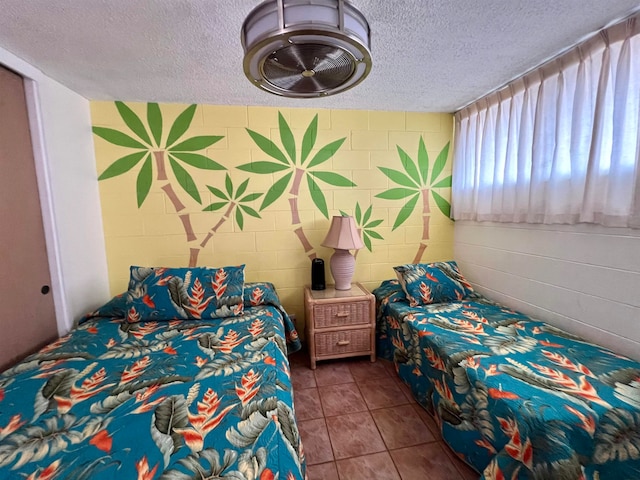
{"points": [[418, 181], [232, 199], [148, 148], [365, 225], [294, 168]]}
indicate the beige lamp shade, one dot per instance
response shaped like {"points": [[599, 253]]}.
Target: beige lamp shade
{"points": [[343, 236]]}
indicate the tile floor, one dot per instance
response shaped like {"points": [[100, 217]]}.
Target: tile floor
{"points": [[358, 421]]}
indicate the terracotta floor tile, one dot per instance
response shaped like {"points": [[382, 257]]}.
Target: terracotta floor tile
{"points": [[395, 439], [382, 392], [301, 357], [424, 461], [401, 427], [406, 390], [389, 366], [465, 470], [332, 373], [302, 377], [307, 403], [322, 471], [364, 369], [315, 440], [341, 399], [428, 420], [353, 435], [377, 466]]}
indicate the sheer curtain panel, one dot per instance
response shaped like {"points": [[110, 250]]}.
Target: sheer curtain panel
{"points": [[560, 144]]}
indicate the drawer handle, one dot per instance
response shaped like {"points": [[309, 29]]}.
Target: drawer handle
{"points": [[342, 343], [342, 314]]}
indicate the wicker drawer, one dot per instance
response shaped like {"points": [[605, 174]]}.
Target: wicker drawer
{"points": [[345, 341], [341, 314]]}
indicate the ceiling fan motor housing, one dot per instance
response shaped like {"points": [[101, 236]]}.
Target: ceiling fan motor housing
{"points": [[306, 48]]}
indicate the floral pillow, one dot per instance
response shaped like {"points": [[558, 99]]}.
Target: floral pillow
{"points": [[184, 293], [438, 282], [260, 293], [114, 308]]}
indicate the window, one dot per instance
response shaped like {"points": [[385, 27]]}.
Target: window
{"points": [[560, 144]]}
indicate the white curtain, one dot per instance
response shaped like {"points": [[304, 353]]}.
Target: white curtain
{"points": [[559, 145]]}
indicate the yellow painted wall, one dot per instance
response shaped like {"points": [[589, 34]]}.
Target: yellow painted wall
{"points": [[154, 234]]}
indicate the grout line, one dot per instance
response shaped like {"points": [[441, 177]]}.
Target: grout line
{"points": [[369, 410], [333, 452]]}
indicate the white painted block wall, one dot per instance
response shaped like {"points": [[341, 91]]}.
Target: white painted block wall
{"points": [[583, 278]]}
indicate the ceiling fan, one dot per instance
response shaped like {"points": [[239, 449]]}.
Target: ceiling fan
{"points": [[306, 48]]}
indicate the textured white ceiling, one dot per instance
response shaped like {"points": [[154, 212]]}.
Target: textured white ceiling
{"points": [[428, 55]]}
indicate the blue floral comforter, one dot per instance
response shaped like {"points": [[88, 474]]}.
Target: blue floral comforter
{"points": [[175, 400], [515, 398]]}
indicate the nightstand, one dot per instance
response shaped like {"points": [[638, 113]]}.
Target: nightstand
{"points": [[340, 323]]}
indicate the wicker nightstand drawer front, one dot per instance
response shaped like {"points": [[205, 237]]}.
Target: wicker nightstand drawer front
{"points": [[341, 314], [346, 341]]}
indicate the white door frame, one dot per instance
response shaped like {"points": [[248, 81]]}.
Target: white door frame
{"points": [[32, 76]]}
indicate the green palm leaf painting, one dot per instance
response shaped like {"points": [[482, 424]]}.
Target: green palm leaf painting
{"points": [[365, 225], [290, 169], [418, 180], [179, 154], [233, 199]]}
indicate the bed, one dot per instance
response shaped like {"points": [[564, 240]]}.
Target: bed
{"points": [[183, 377], [514, 397]]}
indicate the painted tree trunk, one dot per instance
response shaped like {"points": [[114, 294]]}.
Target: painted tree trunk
{"points": [[185, 218], [295, 215], [426, 216], [193, 258], [215, 228]]}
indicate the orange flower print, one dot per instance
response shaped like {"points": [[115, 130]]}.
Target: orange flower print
{"points": [[425, 294], [13, 425], [231, 341], [89, 387], [219, 283], [495, 393], [204, 421], [256, 296], [257, 327], [248, 387], [143, 398], [142, 466], [136, 370], [102, 440], [133, 316], [48, 473], [197, 303]]}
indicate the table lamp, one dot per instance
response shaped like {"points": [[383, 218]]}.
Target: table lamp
{"points": [[343, 236]]}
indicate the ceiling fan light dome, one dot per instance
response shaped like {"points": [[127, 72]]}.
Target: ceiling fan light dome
{"points": [[306, 48]]}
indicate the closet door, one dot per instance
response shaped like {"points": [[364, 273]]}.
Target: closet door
{"points": [[27, 315]]}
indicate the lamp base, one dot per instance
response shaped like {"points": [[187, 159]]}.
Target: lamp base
{"points": [[342, 264]]}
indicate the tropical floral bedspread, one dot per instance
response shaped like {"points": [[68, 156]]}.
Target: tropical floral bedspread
{"points": [[174, 400], [515, 398]]}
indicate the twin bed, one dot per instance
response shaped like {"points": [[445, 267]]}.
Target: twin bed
{"points": [[513, 397], [183, 377], [186, 377]]}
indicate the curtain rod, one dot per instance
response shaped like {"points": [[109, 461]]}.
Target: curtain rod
{"points": [[583, 39]]}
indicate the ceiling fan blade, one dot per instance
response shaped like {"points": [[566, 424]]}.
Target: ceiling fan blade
{"points": [[308, 67]]}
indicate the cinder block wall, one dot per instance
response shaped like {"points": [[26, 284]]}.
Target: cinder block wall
{"points": [[164, 226]]}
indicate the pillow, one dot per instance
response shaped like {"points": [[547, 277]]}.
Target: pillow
{"points": [[427, 283], [260, 293], [184, 293], [114, 308]]}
